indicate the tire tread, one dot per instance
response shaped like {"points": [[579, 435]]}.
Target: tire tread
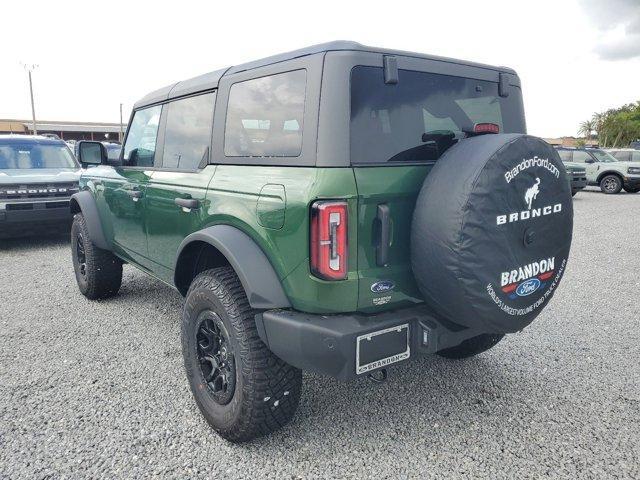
{"points": [[264, 374]]}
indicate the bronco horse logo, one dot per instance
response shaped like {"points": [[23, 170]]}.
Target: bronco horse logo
{"points": [[532, 193]]}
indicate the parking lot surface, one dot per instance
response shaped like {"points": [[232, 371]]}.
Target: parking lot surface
{"points": [[97, 389]]}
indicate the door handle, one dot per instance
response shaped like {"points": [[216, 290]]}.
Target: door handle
{"points": [[134, 194], [384, 236], [189, 203]]}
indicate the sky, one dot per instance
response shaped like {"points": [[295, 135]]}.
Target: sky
{"points": [[574, 57]]}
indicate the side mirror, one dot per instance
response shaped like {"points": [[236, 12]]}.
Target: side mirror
{"points": [[91, 153], [589, 160]]}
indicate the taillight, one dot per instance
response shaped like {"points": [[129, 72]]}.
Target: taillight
{"points": [[329, 239], [486, 128]]}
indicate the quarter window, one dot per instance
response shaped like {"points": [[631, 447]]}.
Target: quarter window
{"points": [[265, 116], [188, 132], [140, 146]]}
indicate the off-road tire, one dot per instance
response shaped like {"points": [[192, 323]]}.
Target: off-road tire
{"points": [[100, 275], [632, 189], [611, 184], [471, 347], [266, 389], [573, 192]]}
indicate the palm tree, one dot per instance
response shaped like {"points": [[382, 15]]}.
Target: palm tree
{"points": [[586, 128], [598, 125]]}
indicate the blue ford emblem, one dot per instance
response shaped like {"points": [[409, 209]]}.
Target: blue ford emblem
{"points": [[528, 287], [382, 286]]}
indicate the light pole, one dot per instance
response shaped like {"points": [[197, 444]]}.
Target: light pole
{"points": [[121, 132], [31, 68]]}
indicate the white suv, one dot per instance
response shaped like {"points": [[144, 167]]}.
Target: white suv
{"points": [[604, 170]]}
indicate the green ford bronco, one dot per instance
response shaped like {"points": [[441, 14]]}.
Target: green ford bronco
{"points": [[337, 209]]}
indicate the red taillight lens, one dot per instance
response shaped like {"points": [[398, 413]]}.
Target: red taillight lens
{"points": [[329, 240], [486, 128]]}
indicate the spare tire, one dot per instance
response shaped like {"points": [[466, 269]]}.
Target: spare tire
{"points": [[491, 231]]}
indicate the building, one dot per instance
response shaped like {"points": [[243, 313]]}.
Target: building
{"points": [[571, 142], [65, 130]]}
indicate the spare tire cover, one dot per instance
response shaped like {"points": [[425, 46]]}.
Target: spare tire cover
{"points": [[492, 230]]}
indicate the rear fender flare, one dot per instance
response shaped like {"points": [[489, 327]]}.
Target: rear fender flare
{"points": [[260, 281]]}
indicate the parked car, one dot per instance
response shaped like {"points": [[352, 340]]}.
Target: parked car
{"points": [[625, 154], [72, 145], [338, 209], [576, 172], [38, 175], [604, 170], [113, 150]]}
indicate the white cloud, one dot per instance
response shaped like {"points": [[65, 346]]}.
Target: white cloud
{"points": [[622, 16]]}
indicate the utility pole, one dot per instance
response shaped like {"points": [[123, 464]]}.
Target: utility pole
{"points": [[121, 130], [31, 68]]}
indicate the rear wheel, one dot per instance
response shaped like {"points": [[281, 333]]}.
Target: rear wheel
{"points": [[611, 184], [98, 272], [242, 389], [471, 347]]}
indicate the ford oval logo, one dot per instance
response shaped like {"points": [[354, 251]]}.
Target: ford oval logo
{"points": [[528, 287], [382, 286]]}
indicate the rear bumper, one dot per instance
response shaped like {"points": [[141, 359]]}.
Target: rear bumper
{"points": [[327, 344]]}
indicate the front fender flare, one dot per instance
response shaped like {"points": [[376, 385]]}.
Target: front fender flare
{"points": [[259, 279], [85, 203]]}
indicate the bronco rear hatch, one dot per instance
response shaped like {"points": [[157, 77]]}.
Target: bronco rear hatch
{"points": [[398, 130]]}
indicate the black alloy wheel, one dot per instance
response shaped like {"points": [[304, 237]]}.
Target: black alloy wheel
{"points": [[216, 358], [81, 254]]}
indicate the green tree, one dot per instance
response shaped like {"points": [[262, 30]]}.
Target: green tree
{"points": [[617, 127], [586, 128]]}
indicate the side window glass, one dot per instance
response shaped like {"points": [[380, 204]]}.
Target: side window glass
{"points": [[140, 145], [580, 157], [565, 155], [265, 116], [188, 132]]}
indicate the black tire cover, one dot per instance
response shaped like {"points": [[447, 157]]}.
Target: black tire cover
{"points": [[492, 231]]}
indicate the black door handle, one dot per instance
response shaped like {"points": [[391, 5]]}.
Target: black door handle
{"points": [[187, 203], [384, 236], [135, 194]]}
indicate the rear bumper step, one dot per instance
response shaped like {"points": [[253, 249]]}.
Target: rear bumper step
{"points": [[330, 344]]}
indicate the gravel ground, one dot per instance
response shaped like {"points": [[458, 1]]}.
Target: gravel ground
{"points": [[96, 389]]}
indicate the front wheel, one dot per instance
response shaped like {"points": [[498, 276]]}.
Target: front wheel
{"points": [[98, 272], [242, 389], [472, 346], [611, 184]]}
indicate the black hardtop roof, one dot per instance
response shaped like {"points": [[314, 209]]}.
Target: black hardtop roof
{"points": [[210, 80], [35, 139]]}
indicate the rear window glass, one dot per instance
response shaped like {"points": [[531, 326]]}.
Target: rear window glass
{"points": [[30, 155], [388, 121], [264, 116]]}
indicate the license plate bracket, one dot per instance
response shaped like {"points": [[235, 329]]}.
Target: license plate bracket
{"points": [[382, 348]]}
